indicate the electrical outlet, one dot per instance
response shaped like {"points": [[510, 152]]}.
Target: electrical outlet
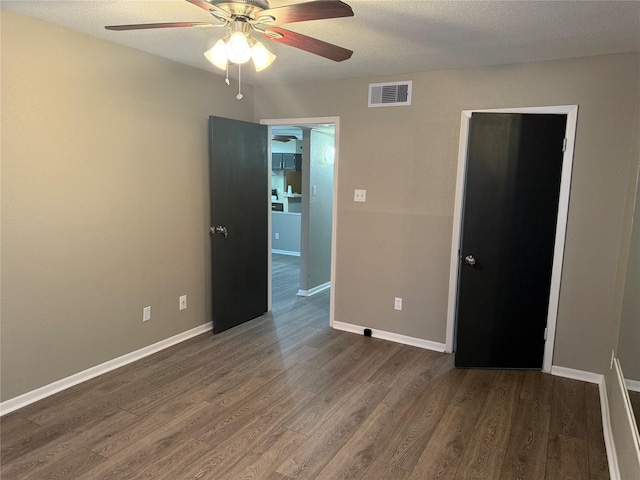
{"points": [[146, 313], [359, 195], [183, 302], [277, 236], [314, 190], [397, 304]]}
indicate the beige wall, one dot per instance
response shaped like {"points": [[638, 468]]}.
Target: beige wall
{"points": [[629, 357], [320, 211], [625, 334], [104, 199], [629, 338], [398, 242]]}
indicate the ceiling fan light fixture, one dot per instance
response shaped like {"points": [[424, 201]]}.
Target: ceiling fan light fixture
{"points": [[237, 48], [261, 57], [218, 54]]}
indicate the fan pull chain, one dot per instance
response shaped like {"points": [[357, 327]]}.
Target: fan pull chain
{"points": [[227, 79], [239, 96]]}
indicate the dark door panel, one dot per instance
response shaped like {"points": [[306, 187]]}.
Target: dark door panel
{"points": [[239, 205], [510, 210]]}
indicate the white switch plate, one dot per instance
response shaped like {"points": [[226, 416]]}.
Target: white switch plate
{"points": [[359, 195], [397, 304], [277, 236], [314, 190], [183, 302], [146, 313]]}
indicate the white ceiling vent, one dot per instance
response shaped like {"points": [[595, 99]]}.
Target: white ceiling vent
{"points": [[390, 94]]}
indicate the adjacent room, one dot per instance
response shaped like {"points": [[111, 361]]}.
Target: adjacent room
{"points": [[211, 270]]}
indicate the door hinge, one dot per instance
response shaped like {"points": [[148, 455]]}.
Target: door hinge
{"points": [[545, 333], [564, 144]]}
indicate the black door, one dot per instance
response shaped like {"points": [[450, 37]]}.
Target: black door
{"points": [[239, 203], [512, 189]]}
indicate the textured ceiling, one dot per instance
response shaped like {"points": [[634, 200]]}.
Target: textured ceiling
{"points": [[387, 36]]}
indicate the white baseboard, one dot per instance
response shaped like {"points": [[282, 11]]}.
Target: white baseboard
{"points": [[609, 444], [573, 374], [285, 252], [25, 399], [633, 425], [392, 337], [590, 377], [314, 290], [633, 385]]}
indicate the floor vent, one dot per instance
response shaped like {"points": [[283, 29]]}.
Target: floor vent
{"points": [[390, 94]]}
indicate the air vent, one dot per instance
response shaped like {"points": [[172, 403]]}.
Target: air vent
{"points": [[389, 94]]}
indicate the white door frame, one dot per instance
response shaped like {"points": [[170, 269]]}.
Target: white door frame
{"points": [[561, 226], [334, 214]]}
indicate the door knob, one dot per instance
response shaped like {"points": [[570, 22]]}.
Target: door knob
{"points": [[469, 260], [219, 229]]}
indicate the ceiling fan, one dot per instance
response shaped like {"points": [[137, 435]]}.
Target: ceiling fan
{"points": [[243, 16], [283, 138]]}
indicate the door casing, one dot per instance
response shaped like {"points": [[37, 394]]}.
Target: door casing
{"points": [[334, 213], [561, 227]]}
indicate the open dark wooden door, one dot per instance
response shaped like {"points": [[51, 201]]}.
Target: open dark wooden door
{"points": [[514, 167], [239, 221]]}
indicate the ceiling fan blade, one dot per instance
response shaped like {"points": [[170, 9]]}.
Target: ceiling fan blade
{"points": [[202, 4], [308, 44], [301, 12], [143, 26], [283, 138]]}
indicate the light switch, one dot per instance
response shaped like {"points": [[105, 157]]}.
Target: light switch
{"points": [[360, 195]]}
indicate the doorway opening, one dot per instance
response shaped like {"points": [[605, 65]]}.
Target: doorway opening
{"points": [[303, 187], [560, 231]]}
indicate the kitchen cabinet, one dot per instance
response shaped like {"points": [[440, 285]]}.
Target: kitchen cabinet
{"points": [[276, 161], [286, 161]]}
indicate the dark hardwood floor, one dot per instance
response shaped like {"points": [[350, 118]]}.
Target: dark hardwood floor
{"points": [[286, 397], [635, 404]]}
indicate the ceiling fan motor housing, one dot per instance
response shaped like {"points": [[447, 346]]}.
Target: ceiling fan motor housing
{"points": [[242, 8]]}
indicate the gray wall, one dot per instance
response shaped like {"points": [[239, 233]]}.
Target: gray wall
{"points": [[105, 202], [629, 339], [628, 352], [105, 199], [406, 158], [320, 211], [287, 226]]}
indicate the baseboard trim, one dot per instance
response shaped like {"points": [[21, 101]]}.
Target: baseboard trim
{"points": [[285, 252], [609, 444], [633, 425], [573, 374], [392, 337], [633, 385], [314, 290], [28, 398]]}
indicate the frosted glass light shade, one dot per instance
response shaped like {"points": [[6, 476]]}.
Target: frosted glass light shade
{"points": [[217, 55], [238, 49], [262, 57]]}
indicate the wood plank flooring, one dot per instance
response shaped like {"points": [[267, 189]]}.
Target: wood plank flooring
{"points": [[286, 397], [635, 404]]}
